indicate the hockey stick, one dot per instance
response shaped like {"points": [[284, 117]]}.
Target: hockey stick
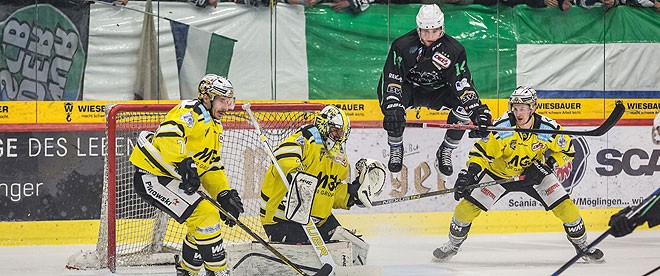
{"points": [[247, 229], [310, 229], [635, 213], [446, 191], [614, 117]]}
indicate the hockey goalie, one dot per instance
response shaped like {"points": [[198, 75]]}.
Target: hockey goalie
{"points": [[316, 167]]}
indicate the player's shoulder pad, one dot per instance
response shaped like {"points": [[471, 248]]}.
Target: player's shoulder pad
{"points": [[506, 120], [198, 110], [406, 42], [312, 134], [543, 122], [452, 45]]}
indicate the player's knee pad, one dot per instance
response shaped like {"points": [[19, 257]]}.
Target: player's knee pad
{"points": [[360, 249], [567, 211], [191, 260], [466, 211], [576, 231]]}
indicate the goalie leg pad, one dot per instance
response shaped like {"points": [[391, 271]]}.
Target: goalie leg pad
{"points": [[360, 248], [298, 206]]}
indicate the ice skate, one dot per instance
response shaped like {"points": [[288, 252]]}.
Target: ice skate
{"points": [[445, 252], [593, 255], [443, 156], [396, 157]]}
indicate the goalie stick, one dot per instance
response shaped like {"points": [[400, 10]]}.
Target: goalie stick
{"points": [[638, 211], [614, 117], [446, 191], [310, 229]]}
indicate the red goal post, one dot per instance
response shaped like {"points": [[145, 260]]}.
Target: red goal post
{"points": [[133, 233]]}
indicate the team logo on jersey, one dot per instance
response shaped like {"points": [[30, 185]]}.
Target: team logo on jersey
{"points": [[513, 144], [537, 146], [561, 141], [441, 61], [341, 160], [394, 88], [188, 119], [572, 173], [462, 84]]}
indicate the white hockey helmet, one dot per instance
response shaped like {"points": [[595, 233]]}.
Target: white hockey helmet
{"points": [[214, 85], [334, 126], [523, 95], [430, 17]]}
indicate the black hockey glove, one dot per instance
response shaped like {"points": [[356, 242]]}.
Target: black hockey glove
{"points": [[189, 178], [535, 173], [231, 202], [394, 121], [620, 225], [352, 191], [466, 178], [482, 118]]}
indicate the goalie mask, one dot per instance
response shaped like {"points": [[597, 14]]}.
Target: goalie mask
{"points": [[334, 127], [214, 85], [523, 95]]}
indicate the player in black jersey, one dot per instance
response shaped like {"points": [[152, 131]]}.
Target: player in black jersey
{"points": [[428, 68]]}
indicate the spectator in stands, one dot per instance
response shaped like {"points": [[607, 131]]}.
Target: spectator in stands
{"points": [[199, 3]]}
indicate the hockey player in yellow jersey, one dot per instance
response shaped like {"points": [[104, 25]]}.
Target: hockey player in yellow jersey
{"points": [[315, 154], [507, 154], [172, 162]]}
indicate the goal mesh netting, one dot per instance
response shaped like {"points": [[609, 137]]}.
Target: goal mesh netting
{"points": [[132, 232]]}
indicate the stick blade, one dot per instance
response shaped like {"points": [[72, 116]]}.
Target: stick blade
{"points": [[325, 270], [610, 122]]}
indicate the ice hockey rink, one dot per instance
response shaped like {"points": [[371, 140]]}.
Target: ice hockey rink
{"points": [[488, 254]]}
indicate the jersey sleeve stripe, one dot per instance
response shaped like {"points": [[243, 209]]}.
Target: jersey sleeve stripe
{"points": [[482, 152], [287, 144], [168, 134], [296, 150], [169, 127], [288, 155]]}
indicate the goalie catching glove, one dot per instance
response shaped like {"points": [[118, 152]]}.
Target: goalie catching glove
{"points": [[230, 202], [370, 181]]}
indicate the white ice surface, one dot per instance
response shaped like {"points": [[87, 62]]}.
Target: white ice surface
{"points": [[510, 254]]}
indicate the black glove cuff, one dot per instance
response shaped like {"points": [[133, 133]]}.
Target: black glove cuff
{"points": [[474, 169]]}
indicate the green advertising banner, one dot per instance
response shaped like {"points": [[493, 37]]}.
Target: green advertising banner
{"points": [[345, 53]]}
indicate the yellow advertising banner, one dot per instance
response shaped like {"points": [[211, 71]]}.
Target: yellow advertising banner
{"points": [[18, 112], [358, 110]]}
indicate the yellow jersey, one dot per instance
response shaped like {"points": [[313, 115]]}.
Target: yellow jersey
{"points": [[188, 130], [507, 153], [304, 151]]}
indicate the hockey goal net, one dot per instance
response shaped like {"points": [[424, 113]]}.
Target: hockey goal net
{"points": [[132, 232]]}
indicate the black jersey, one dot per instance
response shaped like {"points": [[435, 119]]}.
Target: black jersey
{"points": [[439, 67]]}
